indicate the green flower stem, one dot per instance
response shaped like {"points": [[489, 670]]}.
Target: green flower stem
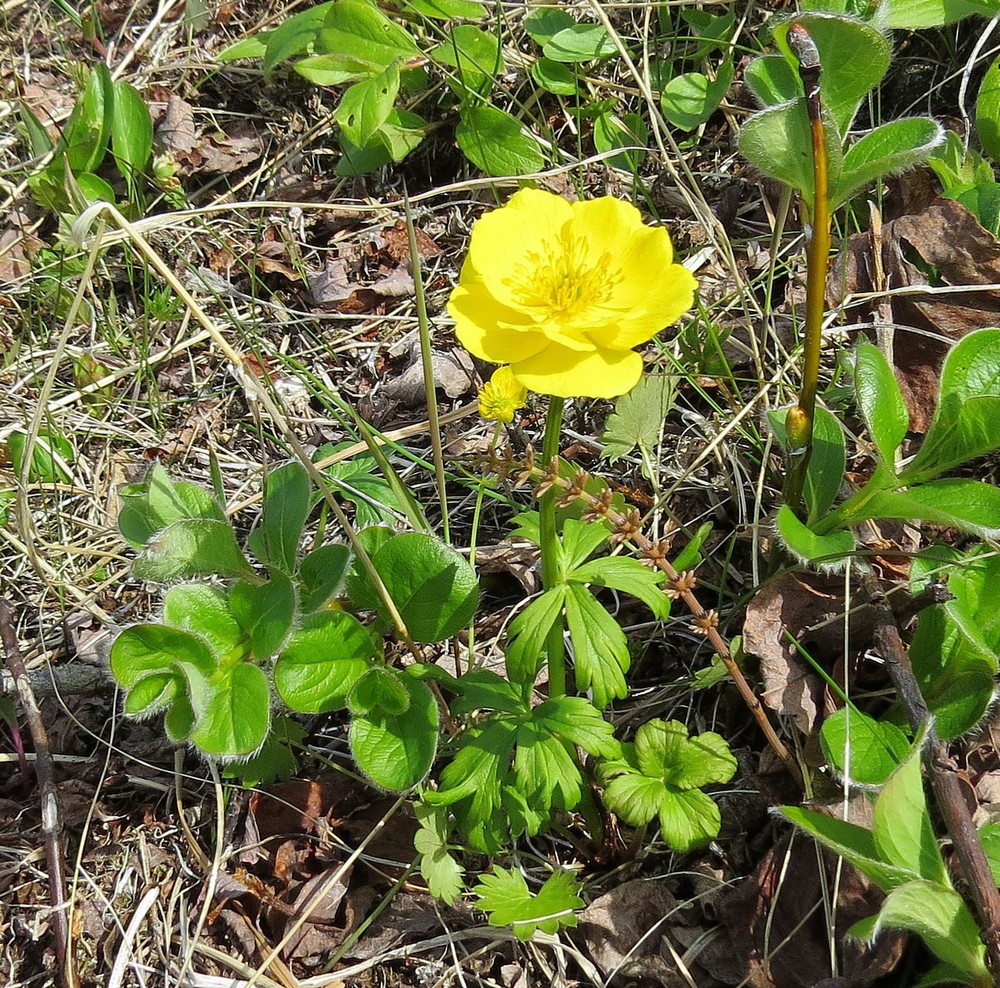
{"points": [[551, 575]]}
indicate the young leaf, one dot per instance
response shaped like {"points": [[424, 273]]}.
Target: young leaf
{"points": [[322, 661], [149, 507], [688, 100], [396, 749], [637, 420], [861, 748], [902, 829], [626, 131], [275, 541], [880, 402], [85, 136], [265, 612], [966, 422], [661, 775], [505, 897], [206, 612], [495, 142], [379, 690], [357, 479], [546, 774], [938, 915], [627, 575], [528, 633], [440, 870], [772, 142]]}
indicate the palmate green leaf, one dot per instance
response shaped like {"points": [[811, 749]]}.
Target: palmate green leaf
{"points": [[440, 870], [966, 423], [366, 105], [504, 896], [943, 921], [232, 709], [322, 661], [600, 648], [689, 99], [688, 819], [874, 747], [628, 575], [880, 401], [275, 540], [396, 749], [580, 540], [206, 612], [265, 612], [887, 150], [496, 143], [472, 783], [528, 634], [637, 420], [546, 774], [902, 829], [483, 689], [577, 720]]}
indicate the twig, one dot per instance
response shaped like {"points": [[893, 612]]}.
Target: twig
{"points": [[944, 775], [51, 817]]}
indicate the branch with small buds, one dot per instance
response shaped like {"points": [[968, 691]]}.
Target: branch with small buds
{"points": [[680, 585]]}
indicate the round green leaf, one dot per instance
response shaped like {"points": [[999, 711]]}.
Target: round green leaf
{"points": [[145, 649], [554, 77], [232, 713], [434, 588], [396, 751], [875, 747], [688, 100], [544, 23], [265, 611], [580, 43], [495, 142], [204, 611], [322, 661]]}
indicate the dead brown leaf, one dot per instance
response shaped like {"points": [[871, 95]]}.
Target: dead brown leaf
{"points": [[397, 243], [941, 246], [176, 131]]}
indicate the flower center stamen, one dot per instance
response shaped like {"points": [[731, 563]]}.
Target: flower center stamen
{"points": [[560, 283]]}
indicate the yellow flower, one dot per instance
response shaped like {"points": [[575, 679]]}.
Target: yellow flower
{"points": [[501, 396], [563, 292]]}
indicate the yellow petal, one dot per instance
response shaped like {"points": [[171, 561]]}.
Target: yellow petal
{"points": [[508, 244], [567, 374], [491, 331], [608, 228]]}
